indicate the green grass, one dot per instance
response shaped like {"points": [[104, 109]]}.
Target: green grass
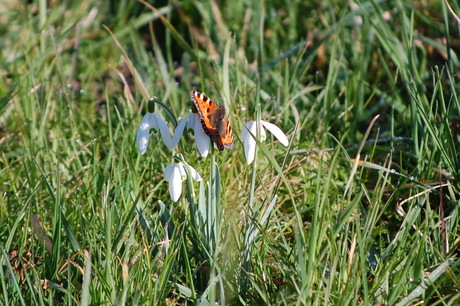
{"points": [[362, 207]]}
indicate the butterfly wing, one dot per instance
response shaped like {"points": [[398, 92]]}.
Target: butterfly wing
{"points": [[214, 120], [206, 107], [225, 137]]}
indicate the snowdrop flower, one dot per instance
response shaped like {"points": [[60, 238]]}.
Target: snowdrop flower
{"points": [[152, 121], [193, 122], [250, 131], [175, 174]]}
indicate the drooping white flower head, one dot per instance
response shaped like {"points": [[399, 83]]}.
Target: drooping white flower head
{"points": [[152, 121], [193, 122], [175, 174], [249, 133]]}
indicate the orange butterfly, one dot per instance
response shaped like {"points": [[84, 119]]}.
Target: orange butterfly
{"points": [[214, 120]]}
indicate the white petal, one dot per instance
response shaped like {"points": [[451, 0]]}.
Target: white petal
{"points": [[142, 139], [195, 175], [168, 171], [202, 140], [249, 141], [179, 131], [203, 143], [244, 132], [152, 120], [183, 173], [250, 150], [164, 130], [175, 183], [250, 131], [143, 134], [277, 132], [193, 117]]}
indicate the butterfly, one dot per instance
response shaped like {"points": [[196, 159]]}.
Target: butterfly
{"points": [[214, 120]]}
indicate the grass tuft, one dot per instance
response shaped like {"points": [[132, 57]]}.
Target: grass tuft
{"points": [[361, 206]]}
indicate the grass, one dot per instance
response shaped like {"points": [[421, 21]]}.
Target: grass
{"points": [[360, 208]]}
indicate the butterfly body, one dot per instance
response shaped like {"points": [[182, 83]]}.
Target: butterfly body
{"points": [[214, 120]]}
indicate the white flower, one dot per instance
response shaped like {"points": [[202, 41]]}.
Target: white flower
{"points": [[193, 122], [250, 131], [152, 121], [175, 174]]}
